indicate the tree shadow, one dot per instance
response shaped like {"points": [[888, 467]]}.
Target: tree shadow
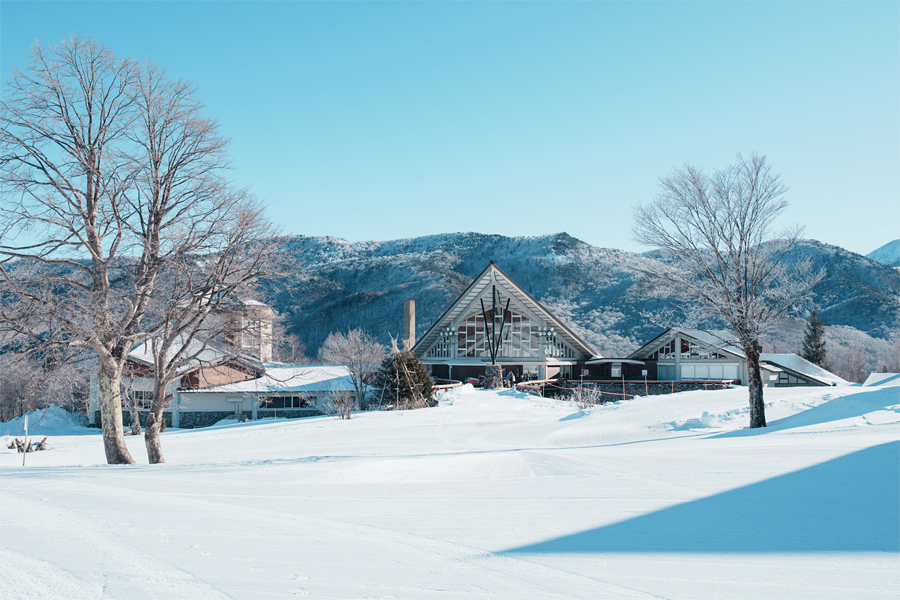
{"points": [[848, 504], [842, 407]]}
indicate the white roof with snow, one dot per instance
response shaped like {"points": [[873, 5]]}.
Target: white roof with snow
{"points": [[798, 364], [882, 380], [290, 379], [199, 356]]}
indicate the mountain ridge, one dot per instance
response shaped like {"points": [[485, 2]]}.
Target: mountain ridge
{"points": [[338, 284]]}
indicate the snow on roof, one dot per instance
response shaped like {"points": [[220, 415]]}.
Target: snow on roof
{"points": [[200, 356], [798, 364], [882, 380], [712, 340], [704, 337], [291, 378], [143, 352]]}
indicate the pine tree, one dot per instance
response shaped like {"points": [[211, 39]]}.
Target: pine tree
{"points": [[402, 380], [814, 340]]}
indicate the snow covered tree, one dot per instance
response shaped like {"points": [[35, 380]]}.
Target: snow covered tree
{"points": [[357, 351], [717, 259], [402, 380], [814, 340]]}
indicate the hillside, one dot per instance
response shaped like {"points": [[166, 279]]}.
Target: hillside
{"points": [[889, 254], [339, 284]]}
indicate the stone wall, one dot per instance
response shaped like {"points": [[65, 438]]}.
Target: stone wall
{"points": [[142, 416], [287, 413], [638, 388], [196, 418]]}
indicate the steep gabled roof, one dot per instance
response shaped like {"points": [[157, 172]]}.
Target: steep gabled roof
{"points": [[493, 275]]}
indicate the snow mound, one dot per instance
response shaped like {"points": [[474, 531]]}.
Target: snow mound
{"points": [[50, 421], [711, 420], [449, 395]]}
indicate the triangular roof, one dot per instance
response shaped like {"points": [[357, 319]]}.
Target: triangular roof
{"points": [[492, 275], [704, 337]]}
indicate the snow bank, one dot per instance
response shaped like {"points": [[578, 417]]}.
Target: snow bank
{"points": [[489, 494], [50, 421]]}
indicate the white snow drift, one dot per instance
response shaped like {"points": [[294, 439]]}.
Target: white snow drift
{"points": [[489, 495]]}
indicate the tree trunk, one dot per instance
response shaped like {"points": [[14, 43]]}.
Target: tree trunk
{"points": [[755, 386], [111, 416], [151, 436], [154, 424]]}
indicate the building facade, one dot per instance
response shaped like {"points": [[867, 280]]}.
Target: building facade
{"points": [[495, 319]]}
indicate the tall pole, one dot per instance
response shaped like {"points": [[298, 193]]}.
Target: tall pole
{"points": [[25, 447]]}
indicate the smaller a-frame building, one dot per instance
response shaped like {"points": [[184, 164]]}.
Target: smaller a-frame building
{"points": [[528, 340]]}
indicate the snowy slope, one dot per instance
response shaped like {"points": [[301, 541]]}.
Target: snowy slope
{"points": [[489, 495], [889, 254]]}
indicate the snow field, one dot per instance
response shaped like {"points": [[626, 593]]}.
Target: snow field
{"points": [[489, 495]]}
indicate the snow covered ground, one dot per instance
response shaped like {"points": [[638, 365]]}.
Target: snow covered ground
{"points": [[487, 496]]}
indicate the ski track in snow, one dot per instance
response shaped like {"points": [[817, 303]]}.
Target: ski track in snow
{"points": [[424, 504]]}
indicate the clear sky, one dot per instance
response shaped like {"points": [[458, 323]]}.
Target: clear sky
{"points": [[388, 120]]}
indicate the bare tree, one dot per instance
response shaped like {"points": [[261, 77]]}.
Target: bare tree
{"points": [[287, 347], [108, 174], [717, 257], [358, 352], [30, 382], [338, 403], [193, 291], [850, 362]]}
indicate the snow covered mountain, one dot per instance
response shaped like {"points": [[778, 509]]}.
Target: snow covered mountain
{"points": [[889, 254], [339, 284]]}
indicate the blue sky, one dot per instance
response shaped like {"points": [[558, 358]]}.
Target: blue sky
{"points": [[388, 120]]}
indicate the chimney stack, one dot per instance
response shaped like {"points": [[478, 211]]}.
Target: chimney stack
{"points": [[409, 325]]}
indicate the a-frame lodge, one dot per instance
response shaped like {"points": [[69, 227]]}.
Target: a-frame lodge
{"points": [[529, 340]]}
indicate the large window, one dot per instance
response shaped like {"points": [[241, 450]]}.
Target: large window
{"points": [[709, 372], [142, 399], [287, 401], [522, 338], [689, 351]]}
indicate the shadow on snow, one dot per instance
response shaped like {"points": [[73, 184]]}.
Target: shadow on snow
{"points": [[848, 504], [842, 407]]}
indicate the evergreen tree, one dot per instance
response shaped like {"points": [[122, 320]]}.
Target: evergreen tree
{"points": [[814, 340], [402, 380]]}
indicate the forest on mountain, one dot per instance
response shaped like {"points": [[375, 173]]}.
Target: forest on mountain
{"points": [[336, 285]]}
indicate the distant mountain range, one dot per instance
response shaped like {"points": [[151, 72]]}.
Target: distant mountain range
{"points": [[889, 254], [336, 285]]}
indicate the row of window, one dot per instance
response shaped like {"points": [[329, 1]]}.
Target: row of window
{"points": [[688, 349], [522, 338], [287, 402], [143, 400]]}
